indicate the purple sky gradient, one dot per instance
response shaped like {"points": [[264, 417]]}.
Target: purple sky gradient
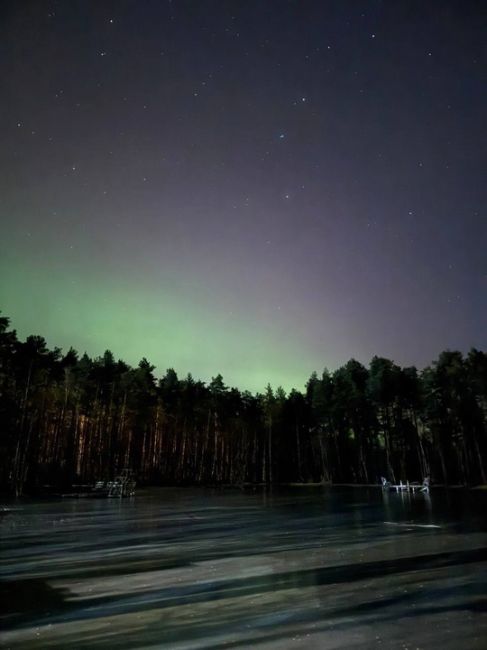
{"points": [[311, 174]]}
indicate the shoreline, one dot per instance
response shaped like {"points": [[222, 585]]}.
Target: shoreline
{"points": [[250, 486]]}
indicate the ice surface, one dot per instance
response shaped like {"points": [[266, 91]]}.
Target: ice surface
{"points": [[191, 568]]}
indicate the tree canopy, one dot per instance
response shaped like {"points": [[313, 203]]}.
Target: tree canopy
{"points": [[72, 419]]}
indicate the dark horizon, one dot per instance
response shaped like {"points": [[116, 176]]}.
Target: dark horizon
{"points": [[74, 420], [159, 373]]}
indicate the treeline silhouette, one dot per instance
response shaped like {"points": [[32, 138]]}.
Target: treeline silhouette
{"points": [[67, 419]]}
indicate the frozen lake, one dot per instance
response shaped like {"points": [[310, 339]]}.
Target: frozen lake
{"points": [[299, 568]]}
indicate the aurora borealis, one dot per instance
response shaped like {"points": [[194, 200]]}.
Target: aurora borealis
{"points": [[254, 189]]}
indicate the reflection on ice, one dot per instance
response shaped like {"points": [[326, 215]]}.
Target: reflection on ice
{"points": [[204, 569]]}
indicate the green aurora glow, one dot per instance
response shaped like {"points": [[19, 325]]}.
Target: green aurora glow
{"points": [[244, 201], [170, 325]]}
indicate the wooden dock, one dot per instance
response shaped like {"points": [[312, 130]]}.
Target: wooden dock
{"points": [[407, 486]]}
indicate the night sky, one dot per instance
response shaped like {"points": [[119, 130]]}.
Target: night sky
{"points": [[256, 188]]}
